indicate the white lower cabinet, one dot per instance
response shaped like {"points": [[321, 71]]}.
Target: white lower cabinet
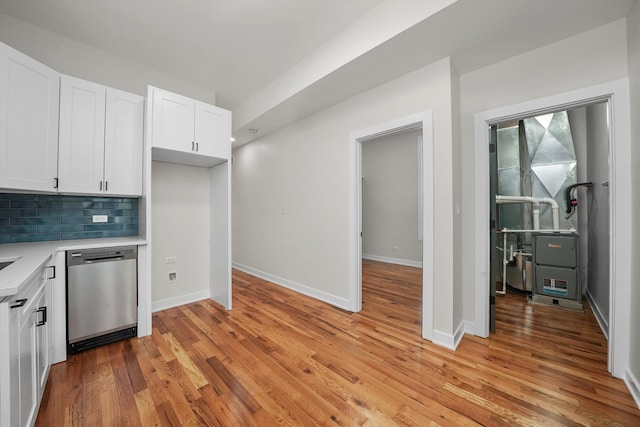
{"points": [[24, 360]]}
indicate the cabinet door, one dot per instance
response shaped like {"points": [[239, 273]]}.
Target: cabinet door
{"points": [[123, 143], [26, 367], [212, 130], [81, 152], [29, 95], [173, 121], [43, 339]]}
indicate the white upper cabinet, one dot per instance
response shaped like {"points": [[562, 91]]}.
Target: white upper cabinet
{"points": [[188, 131], [101, 138], [123, 145], [173, 121], [213, 130], [81, 152], [29, 100]]}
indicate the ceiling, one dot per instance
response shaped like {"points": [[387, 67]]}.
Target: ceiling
{"points": [[256, 55]]}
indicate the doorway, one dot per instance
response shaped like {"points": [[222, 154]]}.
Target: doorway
{"points": [[550, 181], [423, 122], [617, 95]]}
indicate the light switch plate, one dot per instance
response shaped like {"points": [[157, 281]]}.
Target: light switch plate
{"points": [[100, 218]]}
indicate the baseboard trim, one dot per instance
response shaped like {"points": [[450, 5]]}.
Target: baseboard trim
{"points": [[449, 341], [179, 300], [633, 385], [399, 261], [334, 300], [603, 322]]}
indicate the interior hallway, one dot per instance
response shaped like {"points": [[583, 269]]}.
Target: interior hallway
{"points": [[281, 358]]}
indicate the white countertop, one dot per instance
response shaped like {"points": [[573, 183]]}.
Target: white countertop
{"points": [[32, 256]]}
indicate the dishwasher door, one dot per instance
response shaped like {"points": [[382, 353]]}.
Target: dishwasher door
{"points": [[102, 296]]}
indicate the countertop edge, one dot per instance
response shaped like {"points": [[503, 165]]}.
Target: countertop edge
{"points": [[33, 256]]}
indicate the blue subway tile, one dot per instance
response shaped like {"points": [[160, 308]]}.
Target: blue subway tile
{"points": [[102, 227], [23, 229], [19, 238], [120, 233], [24, 203], [18, 212], [15, 196], [75, 219], [58, 228], [33, 217], [82, 235], [48, 204], [36, 221]]}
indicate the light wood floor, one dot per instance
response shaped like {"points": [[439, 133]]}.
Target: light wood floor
{"points": [[279, 358]]}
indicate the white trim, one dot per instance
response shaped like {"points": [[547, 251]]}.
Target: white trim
{"points": [[449, 341], [422, 120], [469, 327], [297, 287], [180, 300], [603, 322], [617, 93], [398, 261], [633, 385]]}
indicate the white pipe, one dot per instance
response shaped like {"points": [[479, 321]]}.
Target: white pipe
{"points": [[535, 202]]}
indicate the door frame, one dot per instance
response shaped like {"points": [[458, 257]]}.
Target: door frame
{"points": [[616, 93], [422, 120]]}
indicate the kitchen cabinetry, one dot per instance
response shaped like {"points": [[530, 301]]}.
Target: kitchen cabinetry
{"points": [[101, 139], [188, 131], [29, 102], [24, 360]]}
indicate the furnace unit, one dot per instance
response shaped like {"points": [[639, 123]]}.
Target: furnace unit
{"points": [[556, 270]]}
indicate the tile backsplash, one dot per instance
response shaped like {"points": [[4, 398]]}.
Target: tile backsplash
{"points": [[38, 217]]}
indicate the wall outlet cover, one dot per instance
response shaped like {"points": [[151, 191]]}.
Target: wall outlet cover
{"points": [[100, 218], [173, 276]]}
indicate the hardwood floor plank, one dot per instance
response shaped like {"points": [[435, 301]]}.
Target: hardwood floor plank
{"points": [[281, 358]]}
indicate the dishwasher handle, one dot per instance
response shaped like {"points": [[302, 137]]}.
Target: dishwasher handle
{"points": [[103, 259]]}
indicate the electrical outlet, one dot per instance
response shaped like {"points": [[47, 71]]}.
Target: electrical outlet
{"points": [[100, 218], [170, 260], [173, 276]]}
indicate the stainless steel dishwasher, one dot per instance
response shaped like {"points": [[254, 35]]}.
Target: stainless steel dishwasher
{"points": [[102, 296]]}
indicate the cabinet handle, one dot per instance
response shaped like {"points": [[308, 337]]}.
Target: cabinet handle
{"points": [[106, 186], [55, 182], [19, 303], [42, 310], [197, 147], [193, 146], [100, 185], [52, 271]]}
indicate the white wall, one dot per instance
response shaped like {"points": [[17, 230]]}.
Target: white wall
{"points": [[633, 23], [597, 212], [590, 131], [593, 57], [81, 60], [304, 168], [180, 229], [390, 199]]}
